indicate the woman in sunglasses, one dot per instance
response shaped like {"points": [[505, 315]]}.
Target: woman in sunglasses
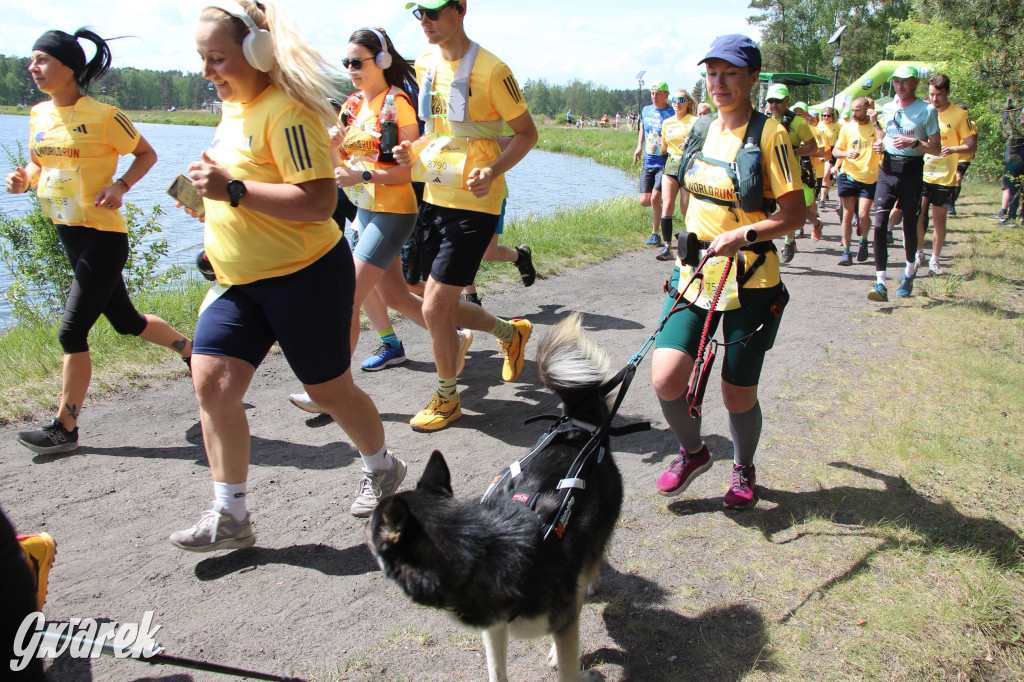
{"points": [[830, 129], [284, 271], [673, 137]]}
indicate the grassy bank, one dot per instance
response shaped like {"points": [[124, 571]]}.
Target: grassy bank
{"points": [[918, 459], [181, 118], [30, 356], [609, 147]]}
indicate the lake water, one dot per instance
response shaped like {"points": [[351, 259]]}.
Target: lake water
{"points": [[539, 184]]}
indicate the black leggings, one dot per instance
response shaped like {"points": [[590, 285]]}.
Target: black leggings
{"points": [[18, 595], [97, 258], [906, 188]]}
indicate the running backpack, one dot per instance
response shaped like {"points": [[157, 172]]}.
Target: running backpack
{"points": [[744, 171]]}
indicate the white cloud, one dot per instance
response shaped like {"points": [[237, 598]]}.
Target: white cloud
{"points": [[592, 40]]}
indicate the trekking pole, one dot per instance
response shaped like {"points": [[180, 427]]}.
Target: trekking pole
{"points": [[153, 654]]}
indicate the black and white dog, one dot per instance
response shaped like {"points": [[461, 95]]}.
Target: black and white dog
{"points": [[487, 562]]}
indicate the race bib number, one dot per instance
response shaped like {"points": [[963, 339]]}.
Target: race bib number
{"points": [[934, 166], [60, 195], [442, 162], [672, 164], [653, 146], [702, 297], [361, 194]]}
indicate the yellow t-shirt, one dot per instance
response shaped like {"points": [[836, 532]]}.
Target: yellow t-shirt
{"points": [[800, 132], [270, 139], [818, 162], [77, 148], [954, 128], [494, 95], [858, 137], [705, 181], [360, 142], [831, 131], [969, 156], [674, 132]]}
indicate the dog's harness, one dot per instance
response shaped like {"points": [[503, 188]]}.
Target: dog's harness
{"points": [[510, 482]]}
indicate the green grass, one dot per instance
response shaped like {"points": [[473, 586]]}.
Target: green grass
{"points": [[608, 147], [181, 118]]}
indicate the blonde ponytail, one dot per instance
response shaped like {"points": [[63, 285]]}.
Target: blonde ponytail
{"points": [[299, 72]]}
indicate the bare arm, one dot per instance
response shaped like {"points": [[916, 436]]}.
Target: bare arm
{"points": [[113, 196], [478, 181]]}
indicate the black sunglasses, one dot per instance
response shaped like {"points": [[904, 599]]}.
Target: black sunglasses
{"points": [[355, 63], [432, 14]]}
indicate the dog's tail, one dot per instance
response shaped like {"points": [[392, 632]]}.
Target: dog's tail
{"points": [[572, 365]]}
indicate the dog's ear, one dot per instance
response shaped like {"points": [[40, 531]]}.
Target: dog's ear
{"points": [[394, 520], [436, 476]]}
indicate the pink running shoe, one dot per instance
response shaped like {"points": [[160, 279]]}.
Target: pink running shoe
{"points": [[741, 494], [682, 472]]}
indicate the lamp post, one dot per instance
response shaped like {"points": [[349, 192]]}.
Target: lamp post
{"points": [[836, 38], [639, 95]]}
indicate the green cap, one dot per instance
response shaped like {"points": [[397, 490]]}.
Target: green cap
{"points": [[427, 4], [777, 91], [904, 71], [799, 105], [659, 85], [815, 112]]}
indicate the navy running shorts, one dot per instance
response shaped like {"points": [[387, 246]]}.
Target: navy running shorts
{"points": [[848, 187], [453, 243], [381, 236], [650, 179], [309, 313], [743, 362]]}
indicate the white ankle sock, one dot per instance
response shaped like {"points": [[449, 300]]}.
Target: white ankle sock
{"points": [[880, 277], [380, 461], [910, 269], [230, 498]]}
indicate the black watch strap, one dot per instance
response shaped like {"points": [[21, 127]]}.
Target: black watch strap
{"points": [[236, 190]]}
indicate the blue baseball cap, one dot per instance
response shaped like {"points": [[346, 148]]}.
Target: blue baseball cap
{"points": [[738, 50]]}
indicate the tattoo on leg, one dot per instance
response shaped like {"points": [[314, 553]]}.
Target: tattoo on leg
{"points": [[72, 410], [179, 345]]}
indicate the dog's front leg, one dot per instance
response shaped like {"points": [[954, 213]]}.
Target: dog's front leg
{"points": [[567, 651], [496, 648]]}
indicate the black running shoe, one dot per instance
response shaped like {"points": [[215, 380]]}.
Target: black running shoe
{"points": [[50, 440], [525, 265], [788, 250]]}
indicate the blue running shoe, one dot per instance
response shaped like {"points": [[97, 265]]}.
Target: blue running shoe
{"points": [[906, 287], [653, 240], [384, 357], [879, 293]]}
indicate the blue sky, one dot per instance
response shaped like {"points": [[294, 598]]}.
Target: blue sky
{"points": [[599, 41]]}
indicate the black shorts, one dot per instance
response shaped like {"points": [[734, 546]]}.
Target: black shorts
{"points": [[937, 195], [961, 168], [309, 313], [848, 187], [650, 179], [453, 242]]}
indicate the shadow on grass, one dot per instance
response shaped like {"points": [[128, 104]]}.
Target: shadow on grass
{"points": [[656, 643], [870, 511]]}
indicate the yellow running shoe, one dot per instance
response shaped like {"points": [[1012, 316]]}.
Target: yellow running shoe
{"points": [[39, 551], [515, 350], [438, 414]]}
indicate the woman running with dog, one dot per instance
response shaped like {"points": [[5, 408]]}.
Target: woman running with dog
{"points": [[673, 136], [75, 143], [284, 270], [736, 219]]}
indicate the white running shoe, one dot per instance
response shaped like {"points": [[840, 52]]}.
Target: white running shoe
{"points": [[934, 267], [304, 402]]}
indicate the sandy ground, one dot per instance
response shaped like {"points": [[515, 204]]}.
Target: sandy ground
{"points": [[309, 599]]}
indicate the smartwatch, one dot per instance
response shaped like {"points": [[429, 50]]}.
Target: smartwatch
{"points": [[236, 190], [367, 176], [750, 236], [917, 143]]}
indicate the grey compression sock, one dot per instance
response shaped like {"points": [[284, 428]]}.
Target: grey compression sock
{"points": [[745, 428], [686, 428]]}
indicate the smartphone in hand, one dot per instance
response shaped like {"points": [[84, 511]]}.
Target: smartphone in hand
{"points": [[185, 194]]}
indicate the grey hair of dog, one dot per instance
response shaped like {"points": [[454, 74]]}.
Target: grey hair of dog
{"points": [[568, 361]]}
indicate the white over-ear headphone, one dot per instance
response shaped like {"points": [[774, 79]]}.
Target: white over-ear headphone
{"points": [[383, 58], [258, 44]]}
